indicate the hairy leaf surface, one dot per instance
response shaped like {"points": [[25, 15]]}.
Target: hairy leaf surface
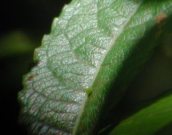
{"points": [[94, 50]]}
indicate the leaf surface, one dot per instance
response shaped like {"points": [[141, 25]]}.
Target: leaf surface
{"points": [[92, 45]]}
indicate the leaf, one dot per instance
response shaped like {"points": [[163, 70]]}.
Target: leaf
{"points": [[149, 120], [15, 43], [93, 45], [151, 83]]}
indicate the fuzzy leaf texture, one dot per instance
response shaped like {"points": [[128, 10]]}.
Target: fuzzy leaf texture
{"points": [[85, 64]]}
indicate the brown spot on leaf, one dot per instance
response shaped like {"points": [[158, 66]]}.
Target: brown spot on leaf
{"points": [[30, 77], [160, 18]]}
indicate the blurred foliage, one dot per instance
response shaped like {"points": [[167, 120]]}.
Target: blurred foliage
{"points": [[15, 43], [16, 51], [22, 25], [153, 118]]}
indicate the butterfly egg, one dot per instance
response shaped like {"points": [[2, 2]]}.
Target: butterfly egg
{"points": [[89, 91]]}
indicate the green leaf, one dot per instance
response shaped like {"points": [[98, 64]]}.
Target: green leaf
{"points": [[149, 120], [15, 43], [94, 50]]}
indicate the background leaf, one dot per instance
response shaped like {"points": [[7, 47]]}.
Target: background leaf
{"points": [[149, 120], [15, 43]]}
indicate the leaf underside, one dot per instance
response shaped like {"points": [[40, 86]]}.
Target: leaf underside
{"points": [[88, 50]]}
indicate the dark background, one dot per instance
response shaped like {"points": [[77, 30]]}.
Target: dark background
{"points": [[32, 18]]}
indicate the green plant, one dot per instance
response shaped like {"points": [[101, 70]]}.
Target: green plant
{"points": [[86, 64]]}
